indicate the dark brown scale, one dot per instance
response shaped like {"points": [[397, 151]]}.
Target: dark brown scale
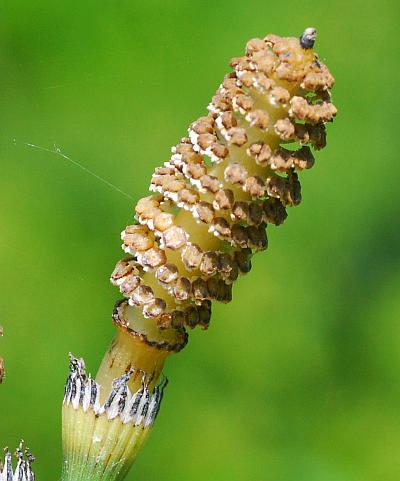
{"points": [[226, 265], [283, 160], [243, 259], [240, 236], [199, 289], [182, 289], [204, 311], [177, 319], [212, 287], [209, 263], [287, 189], [274, 211], [255, 213], [192, 316], [164, 321], [257, 237]]}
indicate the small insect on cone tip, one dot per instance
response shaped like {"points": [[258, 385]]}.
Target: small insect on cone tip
{"points": [[308, 38]]}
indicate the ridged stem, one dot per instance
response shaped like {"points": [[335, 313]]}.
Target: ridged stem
{"points": [[127, 352]]}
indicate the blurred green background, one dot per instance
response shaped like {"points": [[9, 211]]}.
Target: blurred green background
{"points": [[298, 378]]}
